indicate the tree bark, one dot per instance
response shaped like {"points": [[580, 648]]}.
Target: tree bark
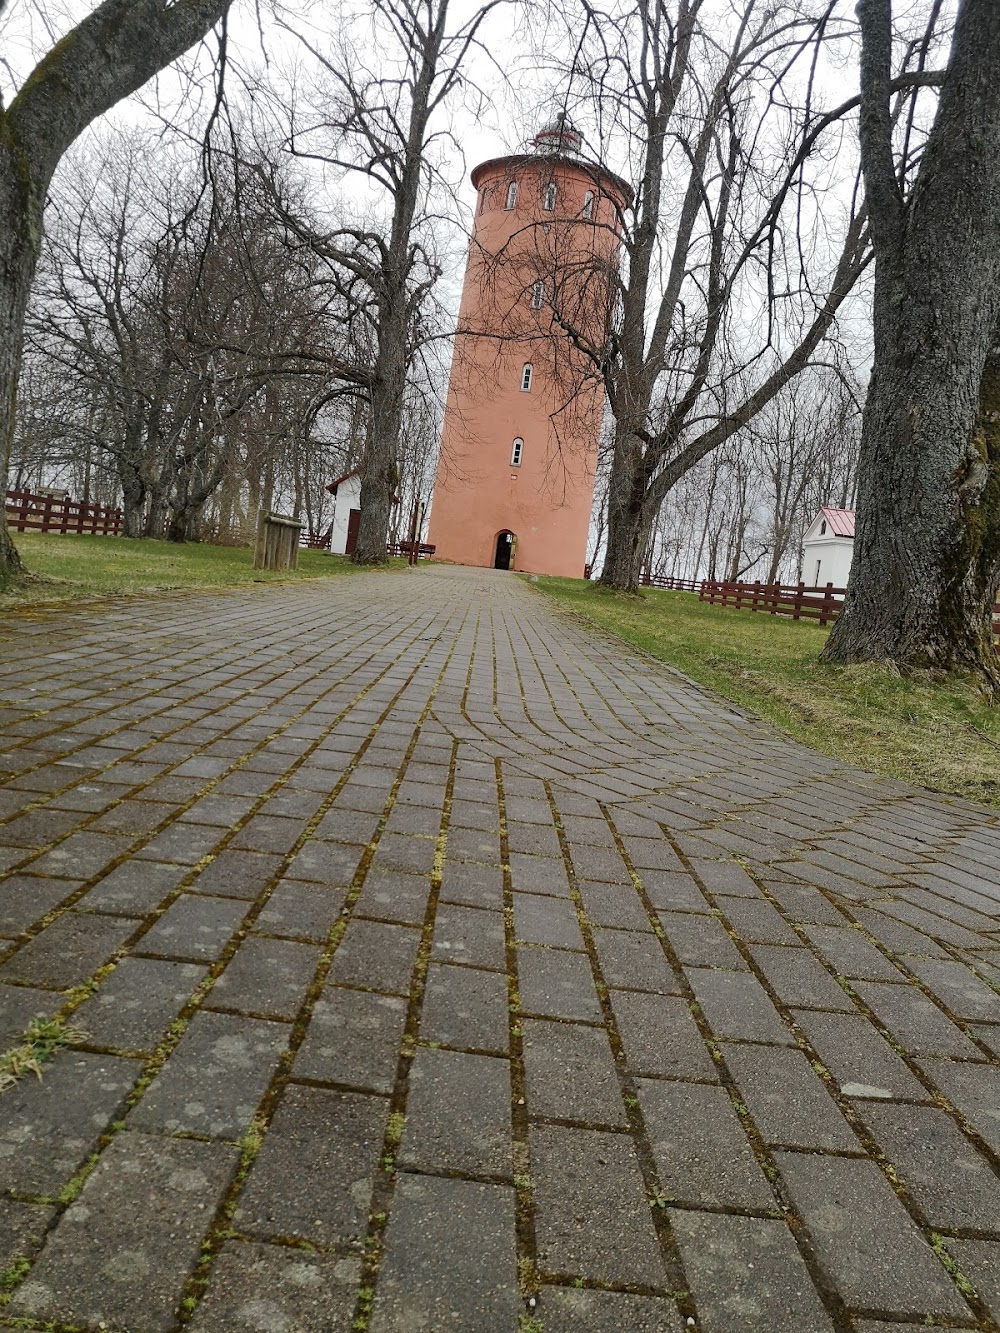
{"points": [[927, 550], [107, 56]]}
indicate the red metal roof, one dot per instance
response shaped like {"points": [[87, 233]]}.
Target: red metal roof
{"points": [[331, 486], [839, 521]]}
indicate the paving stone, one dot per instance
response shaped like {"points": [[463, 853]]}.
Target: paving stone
{"points": [[347, 826], [974, 1090], [918, 1026], [69, 950], [747, 1275], [353, 1038], [25, 899], [724, 877], [263, 1288], [568, 1310], [537, 874], [474, 845], [305, 911], [756, 920], [450, 1259], [844, 1202], [570, 1073], [673, 891], [633, 961], [391, 895], [851, 954], [472, 884], [660, 1036], [123, 1251], [213, 1080], [787, 1098], [22, 1229], [602, 864], [466, 1008], [550, 921], [137, 1003], [736, 1005], [185, 844], [18, 1006], [804, 905], [953, 1184], [958, 988], [50, 1125], [194, 927], [268, 977], [237, 874], [862, 1062], [555, 984], [616, 905], [379, 957], [798, 979], [980, 1262], [702, 1154], [535, 839], [591, 1215], [330, 863], [465, 935], [339, 1135], [458, 1114], [134, 888], [81, 855], [269, 833], [701, 941]]}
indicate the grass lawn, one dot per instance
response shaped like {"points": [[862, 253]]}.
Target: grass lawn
{"points": [[66, 568], [941, 736]]}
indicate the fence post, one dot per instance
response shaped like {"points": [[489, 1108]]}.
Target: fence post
{"points": [[827, 607], [797, 602]]}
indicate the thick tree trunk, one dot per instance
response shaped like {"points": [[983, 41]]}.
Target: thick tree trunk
{"points": [[628, 523], [20, 238], [379, 470], [927, 550]]}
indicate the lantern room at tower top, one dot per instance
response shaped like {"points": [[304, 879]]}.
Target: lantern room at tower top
{"points": [[522, 422]]}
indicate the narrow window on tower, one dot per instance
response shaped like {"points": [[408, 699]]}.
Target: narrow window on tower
{"points": [[588, 205], [516, 452], [537, 295], [482, 198], [526, 374], [511, 195], [549, 198]]}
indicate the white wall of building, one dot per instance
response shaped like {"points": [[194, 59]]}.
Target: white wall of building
{"points": [[827, 560], [348, 497]]}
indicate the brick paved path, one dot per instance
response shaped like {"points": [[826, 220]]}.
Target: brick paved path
{"points": [[435, 954]]}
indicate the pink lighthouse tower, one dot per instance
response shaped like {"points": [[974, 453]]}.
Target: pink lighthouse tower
{"points": [[522, 423]]}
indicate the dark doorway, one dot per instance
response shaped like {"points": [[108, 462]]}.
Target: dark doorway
{"points": [[353, 522], [505, 548]]}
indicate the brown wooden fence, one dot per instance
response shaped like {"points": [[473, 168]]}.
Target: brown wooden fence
{"points": [[27, 511], [777, 599], [786, 599], [670, 583]]}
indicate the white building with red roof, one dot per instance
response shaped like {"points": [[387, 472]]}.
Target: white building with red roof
{"points": [[828, 548]]}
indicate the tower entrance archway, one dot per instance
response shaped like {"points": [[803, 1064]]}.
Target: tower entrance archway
{"points": [[504, 555]]}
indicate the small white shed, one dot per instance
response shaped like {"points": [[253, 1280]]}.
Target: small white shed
{"points": [[828, 548], [346, 492]]}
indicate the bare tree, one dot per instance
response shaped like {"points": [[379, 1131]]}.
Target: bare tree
{"points": [[108, 55], [736, 257], [927, 550]]}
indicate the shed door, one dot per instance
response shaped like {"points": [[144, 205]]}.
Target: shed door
{"points": [[353, 522]]}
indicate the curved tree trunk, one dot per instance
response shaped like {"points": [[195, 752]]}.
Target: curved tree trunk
{"points": [[927, 550], [107, 56]]}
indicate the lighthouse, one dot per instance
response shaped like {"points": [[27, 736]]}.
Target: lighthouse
{"points": [[515, 479]]}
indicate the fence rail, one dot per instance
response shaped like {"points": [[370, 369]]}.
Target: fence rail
{"points": [[670, 583], [777, 599], [26, 511]]}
